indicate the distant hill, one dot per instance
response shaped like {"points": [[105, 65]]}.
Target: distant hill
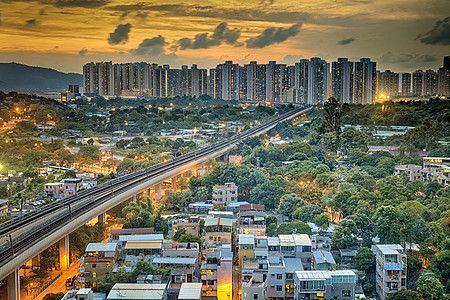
{"points": [[23, 78]]}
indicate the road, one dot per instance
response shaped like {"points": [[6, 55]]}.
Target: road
{"points": [[60, 284]]}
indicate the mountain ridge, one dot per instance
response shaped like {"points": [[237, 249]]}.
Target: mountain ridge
{"points": [[24, 78]]}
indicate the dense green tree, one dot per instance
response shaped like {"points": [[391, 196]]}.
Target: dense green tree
{"points": [[308, 213], [295, 226], [54, 296], [271, 229], [139, 215], [267, 193], [344, 235], [289, 203], [122, 144], [429, 286], [178, 234], [352, 138], [441, 263], [405, 295], [388, 223], [414, 266], [365, 260], [332, 120], [322, 220], [4, 115], [365, 228], [190, 238]]}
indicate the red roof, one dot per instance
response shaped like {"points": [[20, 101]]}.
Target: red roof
{"points": [[252, 206]]}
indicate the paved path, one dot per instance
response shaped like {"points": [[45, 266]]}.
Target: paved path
{"points": [[60, 284]]}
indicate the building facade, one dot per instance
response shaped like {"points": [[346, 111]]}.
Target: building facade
{"points": [[391, 268]]}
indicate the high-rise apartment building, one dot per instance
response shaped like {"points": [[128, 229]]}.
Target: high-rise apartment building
{"points": [[387, 83], [364, 81], [301, 79], [406, 84], [317, 81], [105, 78], [446, 75], [430, 81], [341, 80], [230, 81], [417, 83], [275, 81]]}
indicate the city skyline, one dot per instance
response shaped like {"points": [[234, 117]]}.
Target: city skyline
{"points": [[64, 35], [307, 81]]}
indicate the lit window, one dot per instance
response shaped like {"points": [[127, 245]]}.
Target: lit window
{"points": [[346, 293]]}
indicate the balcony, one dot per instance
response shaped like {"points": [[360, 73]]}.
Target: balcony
{"points": [[393, 266]]}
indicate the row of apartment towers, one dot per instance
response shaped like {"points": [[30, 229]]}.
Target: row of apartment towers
{"points": [[308, 81]]}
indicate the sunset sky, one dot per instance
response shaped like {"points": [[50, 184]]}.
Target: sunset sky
{"points": [[400, 35]]}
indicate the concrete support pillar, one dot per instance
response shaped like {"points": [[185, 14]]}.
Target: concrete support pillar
{"points": [[35, 261], [102, 218], [64, 253], [158, 191], [13, 285], [133, 199], [174, 181]]}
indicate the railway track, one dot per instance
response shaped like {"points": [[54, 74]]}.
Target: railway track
{"points": [[14, 238]]}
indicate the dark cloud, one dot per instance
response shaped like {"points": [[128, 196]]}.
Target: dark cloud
{"points": [[203, 40], [346, 41], [273, 35], [83, 52], [78, 3], [120, 34], [68, 3], [439, 34], [291, 59], [403, 58], [238, 14], [425, 58], [153, 46], [31, 22]]}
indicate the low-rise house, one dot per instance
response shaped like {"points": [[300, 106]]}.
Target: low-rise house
{"points": [[255, 289], [323, 261], [123, 239], [347, 255], [325, 284], [253, 222], [99, 259], [218, 231], [190, 224], [137, 291], [412, 171], [115, 233], [224, 194], [3, 208], [391, 269], [171, 249], [146, 247], [234, 206], [280, 282], [190, 291], [71, 185], [201, 207], [20, 181], [54, 189], [297, 245], [216, 273]]}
